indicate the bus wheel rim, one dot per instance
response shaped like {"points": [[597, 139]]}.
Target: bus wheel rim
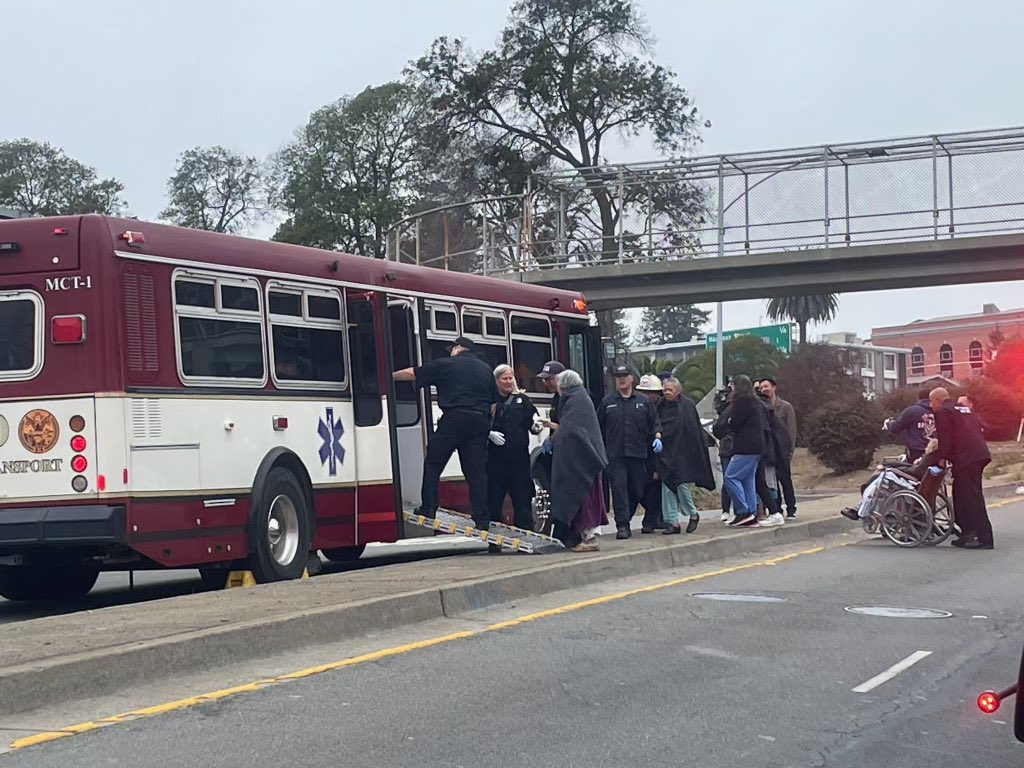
{"points": [[283, 530]]}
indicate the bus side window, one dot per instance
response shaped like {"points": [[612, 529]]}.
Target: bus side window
{"points": [[363, 347]]}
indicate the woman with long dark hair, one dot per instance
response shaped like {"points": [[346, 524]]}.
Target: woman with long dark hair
{"points": [[743, 420]]}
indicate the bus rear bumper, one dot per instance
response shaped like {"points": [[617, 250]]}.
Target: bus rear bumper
{"points": [[62, 526]]}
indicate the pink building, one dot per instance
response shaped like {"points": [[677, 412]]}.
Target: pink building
{"points": [[954, 347]]}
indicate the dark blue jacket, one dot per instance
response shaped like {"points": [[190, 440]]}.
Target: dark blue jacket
{"points": [[917, 424]]}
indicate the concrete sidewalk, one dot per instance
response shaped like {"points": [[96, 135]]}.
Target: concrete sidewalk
{"points": [[89, 653]]}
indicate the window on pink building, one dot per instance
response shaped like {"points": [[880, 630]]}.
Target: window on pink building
{"points": [[946, 360], [975, 353], [917, 361]]}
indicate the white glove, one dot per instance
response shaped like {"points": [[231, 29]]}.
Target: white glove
{"points": [[498, 438]]}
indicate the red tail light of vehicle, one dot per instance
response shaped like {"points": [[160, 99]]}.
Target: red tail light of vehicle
{"points": [[79, 464], [988, 702], [68, 329], [78, 444]]}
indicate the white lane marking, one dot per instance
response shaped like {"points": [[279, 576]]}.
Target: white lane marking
{"points": [[892, 671], [712, 652]]}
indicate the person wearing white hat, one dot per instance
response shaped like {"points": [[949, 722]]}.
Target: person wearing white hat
{"points": [[651, 386]]}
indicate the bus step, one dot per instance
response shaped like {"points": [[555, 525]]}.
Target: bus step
{"points": [[504, 536]]}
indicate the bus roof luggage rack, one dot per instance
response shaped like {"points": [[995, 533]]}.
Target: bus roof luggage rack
{"points": [[499, 534]]}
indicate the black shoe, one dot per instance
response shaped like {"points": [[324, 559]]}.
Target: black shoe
{"points": [[671, 529], [482, 525], [427, 513], [623, 533], [791, 513], [645, 529], [661, 526], [850, 514], [973, 542], [692, 525]]}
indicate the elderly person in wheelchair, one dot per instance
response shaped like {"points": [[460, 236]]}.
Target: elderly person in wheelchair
{"points": [[907, 501]]}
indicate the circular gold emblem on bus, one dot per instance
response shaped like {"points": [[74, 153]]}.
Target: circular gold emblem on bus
{"points": [[38, 431], [5, 431]]}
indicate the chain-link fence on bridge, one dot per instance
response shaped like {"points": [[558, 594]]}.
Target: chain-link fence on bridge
{"points": [[931, 187]]}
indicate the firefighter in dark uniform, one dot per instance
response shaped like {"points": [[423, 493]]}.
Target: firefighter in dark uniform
{"points": [[630, 426], [467, 395], [962, 442], [508, 455]]}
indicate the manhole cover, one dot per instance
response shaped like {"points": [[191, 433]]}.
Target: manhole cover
{"points": [[895, 612], [733, 597]]}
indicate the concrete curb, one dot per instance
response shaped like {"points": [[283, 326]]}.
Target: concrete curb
{"points": [[36, 685]]}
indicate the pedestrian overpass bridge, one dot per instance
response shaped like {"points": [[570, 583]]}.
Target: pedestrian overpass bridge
{"points": [[944, 209]]}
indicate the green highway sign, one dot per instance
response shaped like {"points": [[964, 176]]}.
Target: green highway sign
{"points": [[779, 336]]}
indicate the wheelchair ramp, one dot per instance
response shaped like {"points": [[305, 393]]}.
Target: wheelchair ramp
{"points": [[505, 536]]}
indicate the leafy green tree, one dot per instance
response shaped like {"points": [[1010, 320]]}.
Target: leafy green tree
{"points": [[747, 355], [567, 77], [40, 179], [355, 169], [845, 434], [666, 325], [818, 376], [817, 308], [217, 190]]}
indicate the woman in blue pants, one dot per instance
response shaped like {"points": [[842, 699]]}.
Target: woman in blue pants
{"points": [[742, 419]]}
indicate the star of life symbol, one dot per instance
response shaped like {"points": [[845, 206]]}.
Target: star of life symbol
{"points": [[331, 452]]}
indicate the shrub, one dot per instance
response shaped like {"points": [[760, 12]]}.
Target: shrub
{"points": [[997, 406], [816, 376], [844, 435]]}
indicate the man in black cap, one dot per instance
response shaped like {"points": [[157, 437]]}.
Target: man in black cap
{"points": [[547, 374], [630, 427], [467, 394]]}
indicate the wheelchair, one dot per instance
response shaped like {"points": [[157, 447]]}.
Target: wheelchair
{"points": [[911, 512]]}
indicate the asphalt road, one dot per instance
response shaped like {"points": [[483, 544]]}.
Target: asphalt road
{"points": [[116, 588], [661, 678]]}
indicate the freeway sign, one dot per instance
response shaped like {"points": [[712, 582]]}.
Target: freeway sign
{"points": [[779, 336]]}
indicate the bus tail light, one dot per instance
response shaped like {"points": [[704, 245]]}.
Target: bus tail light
{"points": [[101, 482], [79, 483], [78, 444], [132, 238], [77, 423], [68, 329], [79, 464]]}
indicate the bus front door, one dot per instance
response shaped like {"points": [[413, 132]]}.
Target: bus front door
{"points": [[409, 423]]}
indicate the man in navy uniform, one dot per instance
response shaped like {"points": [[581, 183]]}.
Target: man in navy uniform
{"points": [[630, 426], [962, 442], [467, 395]]}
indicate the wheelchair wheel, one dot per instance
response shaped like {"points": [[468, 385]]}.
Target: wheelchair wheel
{"points": [[943, 520], [907, 519]]}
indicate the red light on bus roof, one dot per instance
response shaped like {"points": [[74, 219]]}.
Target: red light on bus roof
{"points": [[79, 464], [78, 444], [60, 231], [132, 238], [68, 329], [988, 702], [579, 305]]}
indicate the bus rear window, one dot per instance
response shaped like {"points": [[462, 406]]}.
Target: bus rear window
{"points": [[21, 332]]}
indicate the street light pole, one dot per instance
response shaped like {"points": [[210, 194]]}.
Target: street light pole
{"points": [[720, 347]]}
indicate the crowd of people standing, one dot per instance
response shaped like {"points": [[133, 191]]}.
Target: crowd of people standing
{"points": [[642, 445]]}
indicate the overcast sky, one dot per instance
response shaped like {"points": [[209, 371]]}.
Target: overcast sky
{"points": [[125, 86]]}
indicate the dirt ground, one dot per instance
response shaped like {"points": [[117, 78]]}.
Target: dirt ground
{"points": [[811, 475]]}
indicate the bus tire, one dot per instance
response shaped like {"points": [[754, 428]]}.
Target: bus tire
{"points": [[58, 580], [344, 554], [279, 529]]}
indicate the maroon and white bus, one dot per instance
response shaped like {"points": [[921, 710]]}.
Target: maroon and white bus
{"points": [[174, 398]]}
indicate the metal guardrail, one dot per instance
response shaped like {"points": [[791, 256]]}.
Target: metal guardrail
{"points": [[898, 190]]}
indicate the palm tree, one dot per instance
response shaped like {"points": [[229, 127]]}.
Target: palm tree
{"points": [[817, 308]]}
